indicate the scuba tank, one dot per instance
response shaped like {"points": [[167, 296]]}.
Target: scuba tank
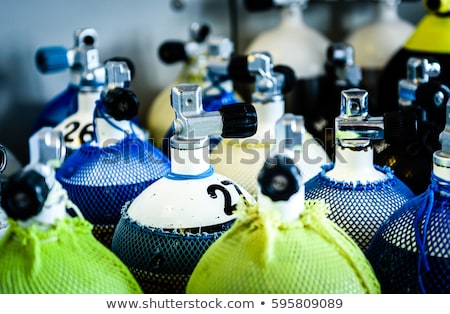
{"points": [[44, 250], [412, 131], [241, 160], [429, 40], [410, 252], [296, 45], [193, 55], [164, 231], [283, 244], [377, 42], [72, 111], [113, 168], [361, 195]]}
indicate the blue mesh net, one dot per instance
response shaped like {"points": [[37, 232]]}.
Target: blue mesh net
{"points": [[359, 209], [162, 260], [410, 253], [101, 180]]}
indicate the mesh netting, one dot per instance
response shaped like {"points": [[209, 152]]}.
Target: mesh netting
{"points": [[262, 254], [411, 251], [161, 260], [101, 180], [359, 209], [63, 259]]}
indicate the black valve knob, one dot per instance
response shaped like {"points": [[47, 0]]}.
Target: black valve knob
{"points": [[279, 178], [24, 194], [433, 97], [121, 104], [51, 59], [239, 120], [172, 51], [238, 69]]}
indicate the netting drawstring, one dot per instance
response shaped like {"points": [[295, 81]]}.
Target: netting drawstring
{"points": [[424, 212], [100, 112]]}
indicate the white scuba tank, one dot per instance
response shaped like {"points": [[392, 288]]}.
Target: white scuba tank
{"points": [[191, 205]]}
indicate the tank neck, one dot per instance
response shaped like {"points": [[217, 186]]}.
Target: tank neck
{"points": [[387, 11], [354, 166], [191, 162], [268, 115], [292, 15]]}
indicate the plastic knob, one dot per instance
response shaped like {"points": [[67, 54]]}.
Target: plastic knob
{"points": [[238, 69], [24, 194], [239, 120], [433, 98], [279, 178], [172, 51], [121, 104], [199, 32], [290, 77], [51, 59]]}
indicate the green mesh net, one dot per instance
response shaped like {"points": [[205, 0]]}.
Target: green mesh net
{"points": [[262, 254], [65, 259]]}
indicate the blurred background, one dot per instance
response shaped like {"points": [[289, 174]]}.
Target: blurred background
{"points": [[135, 29]]}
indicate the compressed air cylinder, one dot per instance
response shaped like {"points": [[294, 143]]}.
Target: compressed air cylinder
{"points": [[71, 112], [102, 175], [44, 250], [412, 131], [297, 45], [241, 159], [410, 253], [283, 244], [165, 230], [361, 195], [430, 40], [376, 43]]}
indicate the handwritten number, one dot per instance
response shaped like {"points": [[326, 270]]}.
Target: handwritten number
{"points": [[67, 137], [228, 207]]}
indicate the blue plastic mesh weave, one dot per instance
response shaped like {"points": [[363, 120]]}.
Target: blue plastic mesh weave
{"points": [[162, 260], [101, 180], [410, 253], [359, 209]]}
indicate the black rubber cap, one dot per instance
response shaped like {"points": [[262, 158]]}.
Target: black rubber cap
{"points": [[24, 194], [290, 78], [128, 61], [239, 120], [258, 5], [172, 52], [121, 104], [279, 178], [238, 69], [201, 33], [51, 59], [433, 97]]}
